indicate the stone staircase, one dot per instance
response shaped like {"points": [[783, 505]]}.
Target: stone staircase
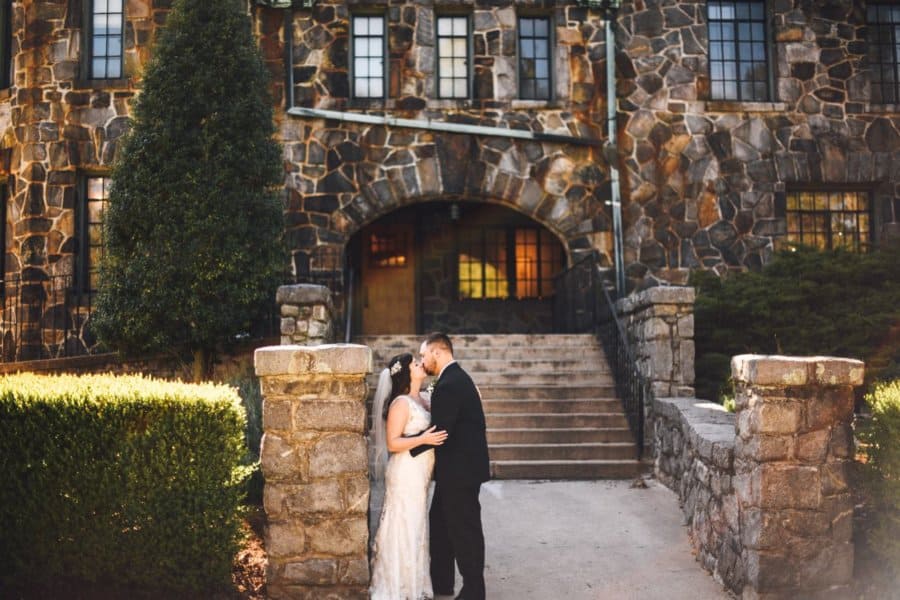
{"points": [[549, 401]]}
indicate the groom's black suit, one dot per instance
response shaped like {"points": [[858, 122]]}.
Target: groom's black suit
{"points": [[461, 466]]}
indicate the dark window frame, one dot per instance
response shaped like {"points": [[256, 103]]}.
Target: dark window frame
{"points": [[550, 41], [884, 63], [468, 57], [385, 63], [84, 268], [821, 199], [737, 45], [89, 57], [506, 245]]}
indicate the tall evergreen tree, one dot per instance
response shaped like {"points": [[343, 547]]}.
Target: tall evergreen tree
{"points": [[193, 228]]}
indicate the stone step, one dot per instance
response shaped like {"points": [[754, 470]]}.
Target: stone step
{"points": [[579, 451], [545, 378], [603, 405], [410, 343], [547, 364], [565, 469], [555, 421], [562, 435], [555, 392]]}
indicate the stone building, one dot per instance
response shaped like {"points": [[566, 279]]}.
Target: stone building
{"points": [[446, 160]]}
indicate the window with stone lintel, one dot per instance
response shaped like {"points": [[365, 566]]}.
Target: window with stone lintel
{"points": [[106, 27], [534, 58], [829, 219], [883, 21], [738, 50], [92, 202], [368, 48], [453, 56]]}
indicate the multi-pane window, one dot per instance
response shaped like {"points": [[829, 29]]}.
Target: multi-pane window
{"points": [[500, 263], [6, 43], [738, 67], [368, 57], [884, 51], [534, 58], [388, 249], [828, 220], [453, 57], [107, 27], [90, 230]]}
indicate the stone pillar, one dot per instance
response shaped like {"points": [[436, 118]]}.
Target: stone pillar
{"points": [[314, 459], [792, 452], [307, 314], [660, 326]]}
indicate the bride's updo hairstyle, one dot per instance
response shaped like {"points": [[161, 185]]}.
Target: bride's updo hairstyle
{"points": [[398, 367]]}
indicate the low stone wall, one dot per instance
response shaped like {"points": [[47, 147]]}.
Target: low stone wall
{"points": [[765, 491], [693, 445], [307, 314], [314, 459]]}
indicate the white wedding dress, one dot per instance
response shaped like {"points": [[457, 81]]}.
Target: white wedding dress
{"points": [[400, 564]]}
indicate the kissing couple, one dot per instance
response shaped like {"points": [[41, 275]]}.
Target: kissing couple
{"points": [[417, 433]]}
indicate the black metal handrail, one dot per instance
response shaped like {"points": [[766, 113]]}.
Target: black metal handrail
{"points": [[584, 304]]}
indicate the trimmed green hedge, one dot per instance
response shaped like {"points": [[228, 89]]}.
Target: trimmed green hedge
{"points": [[119, 480], [805, 302], [881, 445]]}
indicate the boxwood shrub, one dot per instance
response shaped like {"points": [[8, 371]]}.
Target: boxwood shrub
{"points": [[880, 436], [123, 481]]}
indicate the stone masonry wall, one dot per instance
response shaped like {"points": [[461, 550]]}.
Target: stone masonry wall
{"points": [[765, 492], [343, 176], [704, 180], [314, 459], [660, 326], [307, 314]]}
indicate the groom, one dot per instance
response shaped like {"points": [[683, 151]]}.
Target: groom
{"points": [[461, 466]]}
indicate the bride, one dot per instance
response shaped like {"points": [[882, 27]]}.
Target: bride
{"points": [[400, 564]]}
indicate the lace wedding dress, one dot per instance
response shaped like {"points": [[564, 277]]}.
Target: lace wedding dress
{"points": [[400, 565]]}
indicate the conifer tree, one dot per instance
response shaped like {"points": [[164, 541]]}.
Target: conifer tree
{"points": [[193, 229]]}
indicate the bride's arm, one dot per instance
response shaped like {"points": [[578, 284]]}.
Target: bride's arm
{"points": [[396, 421]]}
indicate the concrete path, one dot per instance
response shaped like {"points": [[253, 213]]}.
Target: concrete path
{"points": [[597, 540]]}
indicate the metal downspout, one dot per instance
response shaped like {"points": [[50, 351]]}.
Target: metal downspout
{"points": [[611, 151]]}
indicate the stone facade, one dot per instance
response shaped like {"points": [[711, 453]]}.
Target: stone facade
{"points": [[766, 492], [314, 459], [703, 181], [307, 314]]}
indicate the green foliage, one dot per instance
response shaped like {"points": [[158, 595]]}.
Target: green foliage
{"points": [[124, 481], [880, 436], [193, 229], [247, 385], [805, 302]]}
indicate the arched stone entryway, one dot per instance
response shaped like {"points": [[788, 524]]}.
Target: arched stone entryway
{"points": [[462, 266]]}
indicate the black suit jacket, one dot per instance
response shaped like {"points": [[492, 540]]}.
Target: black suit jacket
{"points": [[462, 460]]}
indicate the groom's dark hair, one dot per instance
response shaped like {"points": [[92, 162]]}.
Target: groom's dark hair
{"points": [[441, 339]]}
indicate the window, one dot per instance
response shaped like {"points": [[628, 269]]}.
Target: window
{"points": [[828, 220], [388, 249], [6, 43], [534, 58], [884, 52], [500, 263], [91, 209], [368, 57], [106, 36], [737, 50], [453, 57]]}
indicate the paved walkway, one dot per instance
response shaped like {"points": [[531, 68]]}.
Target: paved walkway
{"points": [[593, 540]]}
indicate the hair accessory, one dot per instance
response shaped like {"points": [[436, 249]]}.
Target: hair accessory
{"points": [[396, 367]]}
